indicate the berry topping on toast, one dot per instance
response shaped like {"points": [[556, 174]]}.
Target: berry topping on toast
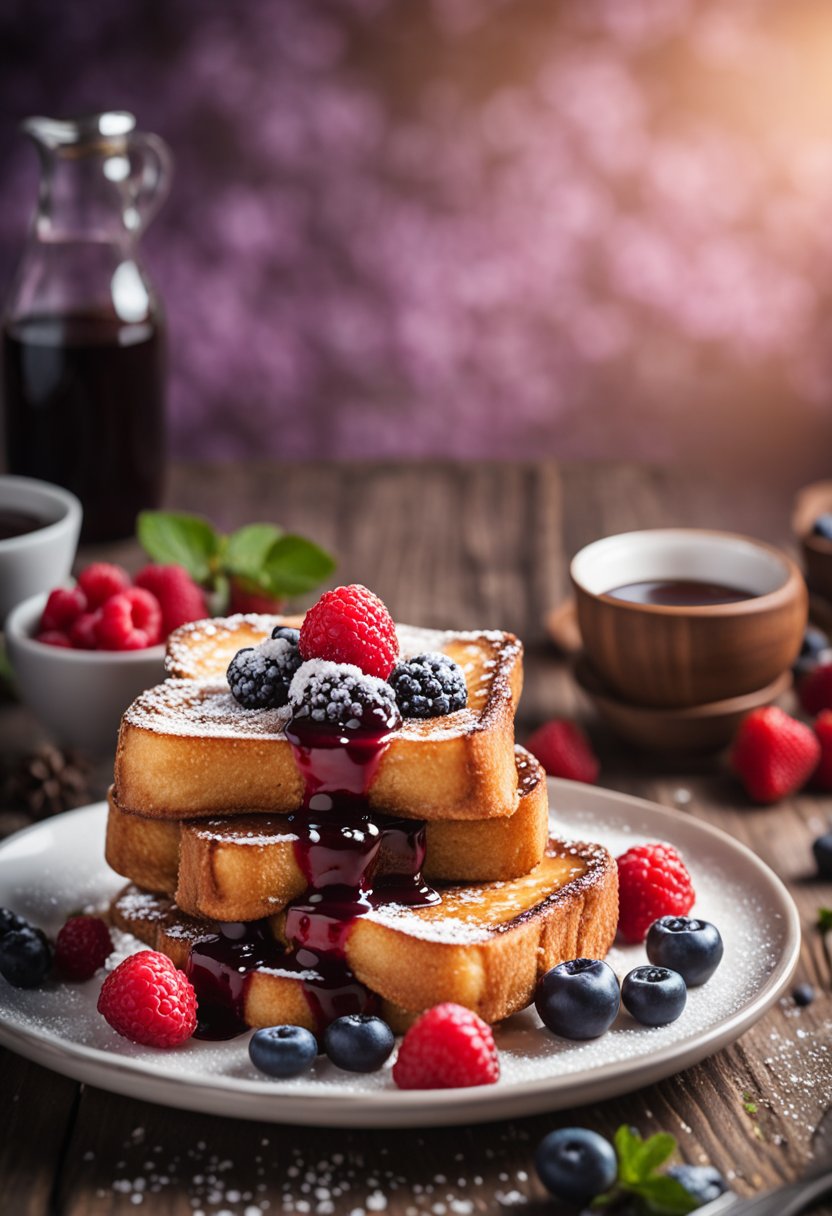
{"points": [[429, 686], [351, 625]]}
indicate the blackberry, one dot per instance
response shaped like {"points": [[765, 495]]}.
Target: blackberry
{"points": [[340, 695], [429, 686], [259, 676]]}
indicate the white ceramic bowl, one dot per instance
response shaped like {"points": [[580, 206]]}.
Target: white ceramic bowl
{"points": [[39, 560], [78, 695]]}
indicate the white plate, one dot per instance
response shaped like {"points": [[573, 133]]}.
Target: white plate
{"points": [[55, 868]]}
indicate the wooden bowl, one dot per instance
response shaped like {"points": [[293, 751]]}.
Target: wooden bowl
{"points": [[698, 728], [681, 655], [810, 502]]}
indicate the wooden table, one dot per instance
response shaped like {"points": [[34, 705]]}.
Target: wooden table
{"points": [[457, 546]]}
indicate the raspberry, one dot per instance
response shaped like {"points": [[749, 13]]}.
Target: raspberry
{"points": [[101, 580], [148, 1001], [82, 946], [131, 620], [338, 694], [428, 686], [822, 777], [448, 1047], [83, 632], [564, 751], [62, 608], [53, 637], [815, 689], [653, 881], [259, 676], [180, 599], [351, 625], [773, 754]]}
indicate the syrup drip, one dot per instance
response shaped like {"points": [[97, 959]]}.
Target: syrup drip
{"points": [[338, 847]]}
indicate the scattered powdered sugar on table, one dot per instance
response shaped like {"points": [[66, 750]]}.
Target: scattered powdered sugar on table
{"points": [[307, 1177]]}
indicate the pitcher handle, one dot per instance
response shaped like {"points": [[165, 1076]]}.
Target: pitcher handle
{"points": [[152, 171]]}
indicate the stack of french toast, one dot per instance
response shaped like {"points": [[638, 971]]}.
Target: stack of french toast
{"points": [[300, 874]]}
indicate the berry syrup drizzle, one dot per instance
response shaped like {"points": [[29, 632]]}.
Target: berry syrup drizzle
{"points": [[338, 847]]}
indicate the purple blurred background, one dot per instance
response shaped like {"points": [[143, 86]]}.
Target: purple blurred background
{"points": [[471, 227]]}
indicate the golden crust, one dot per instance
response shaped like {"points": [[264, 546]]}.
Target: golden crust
{"points": [[480, 951], [186, 749], [244, 867]]}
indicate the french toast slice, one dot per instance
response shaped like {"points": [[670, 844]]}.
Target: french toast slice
{"points": [[245, 867], [484, 946], [186, 749]]}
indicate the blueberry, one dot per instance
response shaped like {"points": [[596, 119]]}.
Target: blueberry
{"points": [[292, 636], [358, 1042], [815, 641], [25, 957], [803, 994], [283, 1051], [702, 1182], [823, 526], [578, 999], [685, 944], [654, 995], [10, 920], [822, 849], [576, 1164], [815, 649]]}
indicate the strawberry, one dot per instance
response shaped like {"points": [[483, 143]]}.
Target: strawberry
{"points": [[822, 777], [180, 599], [815, 689], [564, 751], [243, 599], [774, 754]]}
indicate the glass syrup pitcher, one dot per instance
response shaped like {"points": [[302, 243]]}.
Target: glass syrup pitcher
{"points": [[83, 332]]}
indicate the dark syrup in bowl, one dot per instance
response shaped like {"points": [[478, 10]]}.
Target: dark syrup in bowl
{"points": [[679, 593], [15, 523]]}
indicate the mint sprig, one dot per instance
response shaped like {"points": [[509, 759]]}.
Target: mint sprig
{"points": [[260, 558], [638, 1177], [825, 920]]}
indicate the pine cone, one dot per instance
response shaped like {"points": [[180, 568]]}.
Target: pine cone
{"points": [[46, 782]]}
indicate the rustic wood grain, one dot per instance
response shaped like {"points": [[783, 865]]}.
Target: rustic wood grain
{"points": [[450, 545]]}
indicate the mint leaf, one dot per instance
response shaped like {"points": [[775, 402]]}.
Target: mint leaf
{"points": [[626, 1146], [653, 1152], [825, 920], [639, 1158], [184, 540], [248, 548], [665, 1196], [293, 566]]}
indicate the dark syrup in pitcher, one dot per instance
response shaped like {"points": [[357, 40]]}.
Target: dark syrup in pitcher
{"points": [[84, 408]]}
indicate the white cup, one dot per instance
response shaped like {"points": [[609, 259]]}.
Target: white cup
{"points": [[38, 560]]}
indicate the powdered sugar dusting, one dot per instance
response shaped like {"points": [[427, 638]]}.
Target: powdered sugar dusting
{"points": [[192, 709], [57, 867]]}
